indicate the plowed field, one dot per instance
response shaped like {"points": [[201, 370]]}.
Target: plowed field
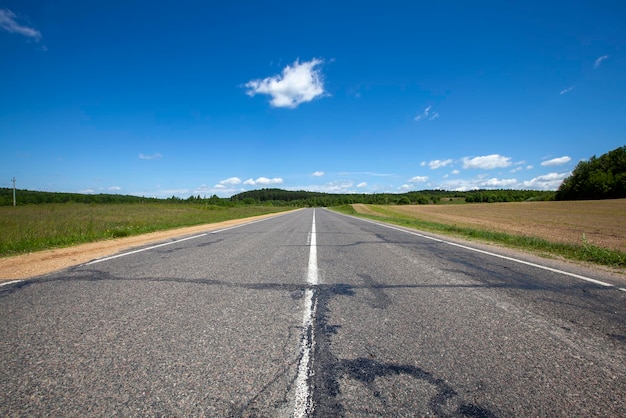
{"points": [[601, 222]]}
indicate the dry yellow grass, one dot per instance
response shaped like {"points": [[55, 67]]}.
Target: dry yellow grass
{"points": [[602, 222]]}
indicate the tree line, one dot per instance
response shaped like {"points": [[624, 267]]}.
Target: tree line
{"points": [[603, 177], [280, 197], [303, 198]]}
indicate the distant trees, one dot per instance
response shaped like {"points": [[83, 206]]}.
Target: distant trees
{"points": [[29, 197], [598, 178], [493, 196], [279, 197]]}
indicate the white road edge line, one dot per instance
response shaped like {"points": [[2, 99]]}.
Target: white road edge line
{"points": [[10, 282], [516, 260], [99, 260], [303, 398]]}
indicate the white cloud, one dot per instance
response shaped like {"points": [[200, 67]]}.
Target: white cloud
{"points": [[550, 181], [419, 179], [487, 162], [455, 172], [224, 188], [435, 164], [567, 90], [150, 157], [263, 181], [318, 174], [426, 114], [499, 183], [362, 184], [9, 23], [332, 187], [599, 60], [556, 161], [479, 182], [115, 188], [232, 181], [297, 84]]}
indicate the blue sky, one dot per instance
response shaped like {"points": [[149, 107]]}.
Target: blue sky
{"points": [[201, 98]]}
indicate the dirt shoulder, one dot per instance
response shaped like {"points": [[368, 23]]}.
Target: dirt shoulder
{"points": [[43, 262]]}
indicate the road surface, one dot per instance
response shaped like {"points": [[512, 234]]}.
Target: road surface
{"points": [[313, 313]]}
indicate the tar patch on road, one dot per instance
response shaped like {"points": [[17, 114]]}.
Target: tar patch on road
{"points": [[329, 371]]}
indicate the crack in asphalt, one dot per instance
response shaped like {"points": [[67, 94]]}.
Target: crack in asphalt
{"points": [[328, 370]]}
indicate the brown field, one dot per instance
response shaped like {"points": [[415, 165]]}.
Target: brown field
{"points": [[601, 222]]}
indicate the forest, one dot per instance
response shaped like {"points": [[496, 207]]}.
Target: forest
{"points": [[603, 177]]}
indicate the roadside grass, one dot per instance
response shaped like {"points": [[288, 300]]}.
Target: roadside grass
{"points": [[584, 251], [37, 227]]}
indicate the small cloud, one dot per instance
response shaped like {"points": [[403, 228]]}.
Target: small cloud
{"points": [[419, 179], [426, 114], [8, 22], [550, 181], [115, 188], [318, 174], [155, 156], [263, 181], [556, 161], [435, 164], [455, 172], [567, 90], [230, 181], [332, 187], [362, 184], [599, 60], [297, 84], [499, 183], [487, 162]]}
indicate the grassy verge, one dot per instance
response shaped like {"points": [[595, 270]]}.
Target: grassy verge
{"points": [[38, 227], [582, 252]]}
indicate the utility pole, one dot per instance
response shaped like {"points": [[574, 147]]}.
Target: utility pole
{"points": [[13, 180]]}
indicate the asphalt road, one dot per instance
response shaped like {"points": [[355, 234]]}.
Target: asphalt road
{"points": [[312, 313]]}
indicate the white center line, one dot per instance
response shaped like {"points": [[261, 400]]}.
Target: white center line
{"points": [[304, 402]]}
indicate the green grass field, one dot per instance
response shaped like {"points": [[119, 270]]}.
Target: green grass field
{"points": [[37, 227]]}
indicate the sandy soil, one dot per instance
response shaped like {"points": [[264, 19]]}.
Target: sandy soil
{"points": [[43, 262]]}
